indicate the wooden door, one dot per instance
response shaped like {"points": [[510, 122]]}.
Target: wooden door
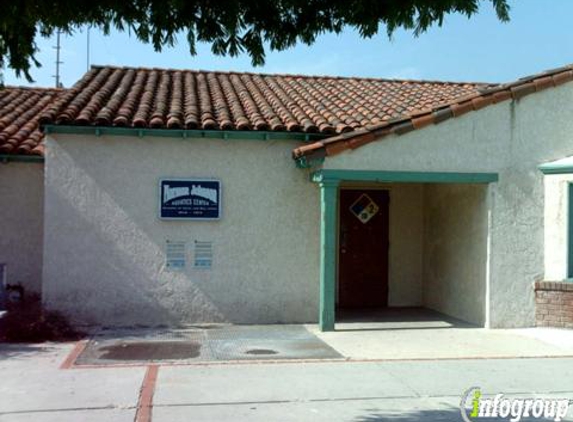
{"points": [[363, 249]]}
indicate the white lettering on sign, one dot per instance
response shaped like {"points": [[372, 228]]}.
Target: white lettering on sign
{"points": [[169, 193], [210, 194]]}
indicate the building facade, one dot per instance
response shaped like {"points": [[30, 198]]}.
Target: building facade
{"points": [[459, 205]]}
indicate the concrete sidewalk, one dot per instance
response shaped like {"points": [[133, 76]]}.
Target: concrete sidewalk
{"points": [[419, 333], [34, 387], [445, 343], [438, 338], [402, 391]]}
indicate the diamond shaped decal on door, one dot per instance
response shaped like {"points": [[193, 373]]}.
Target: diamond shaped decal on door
{"points": [[364, 208]]}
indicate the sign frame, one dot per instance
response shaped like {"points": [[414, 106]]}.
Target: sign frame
{"points": [[189, 179]]}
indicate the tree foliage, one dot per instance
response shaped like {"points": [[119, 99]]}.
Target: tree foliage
{"points": [[231, 27]]}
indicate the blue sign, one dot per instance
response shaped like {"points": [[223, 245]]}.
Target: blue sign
{"points": [[190, 199]]}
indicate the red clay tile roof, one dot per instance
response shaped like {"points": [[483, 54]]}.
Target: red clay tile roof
{"points": [[20, 109], [436, 114], [182, 99]]}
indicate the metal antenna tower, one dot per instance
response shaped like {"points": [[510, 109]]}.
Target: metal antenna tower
{"points": [[57, 47], [88, 50]]}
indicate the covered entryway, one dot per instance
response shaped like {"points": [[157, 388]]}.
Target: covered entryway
{"points": [[404, 239]]}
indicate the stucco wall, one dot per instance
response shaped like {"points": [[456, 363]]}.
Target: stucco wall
{"points": [[105, 245], [100, 190], [21, 222], [511, 138], [405, 254], [455, 250]]}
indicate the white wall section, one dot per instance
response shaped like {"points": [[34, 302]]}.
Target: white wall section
{"points": [[21, 223], [406, 247], [105, 245], [511, 138], [455, 250]]}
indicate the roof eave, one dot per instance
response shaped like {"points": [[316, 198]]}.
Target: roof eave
{"points": [[182, 133], [512, 91]]}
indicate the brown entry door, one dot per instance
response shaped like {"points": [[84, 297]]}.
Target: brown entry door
{"points": [[363, 249]]}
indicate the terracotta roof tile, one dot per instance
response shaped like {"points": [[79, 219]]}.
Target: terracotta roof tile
{"points": [[175, 99], [20, 109], [354, 111], [438, 113]]}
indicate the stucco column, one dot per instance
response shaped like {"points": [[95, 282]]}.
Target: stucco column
{"points": [[328, 210]]}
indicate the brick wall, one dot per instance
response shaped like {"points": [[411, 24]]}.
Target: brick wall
{"points": [[554, 304]]}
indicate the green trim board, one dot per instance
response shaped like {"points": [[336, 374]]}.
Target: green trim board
{"points": [[402, 176], [563, 166], [6, 158], [309, 161], [328, 231], [569, 231], [306, 162], [184, 133]]}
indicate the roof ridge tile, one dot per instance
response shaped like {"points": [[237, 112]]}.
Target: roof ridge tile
{"points": [[293, 75]]}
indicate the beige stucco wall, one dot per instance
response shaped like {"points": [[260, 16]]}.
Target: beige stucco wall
{"points": [[406, 247], [511, 138], [105, 245], [21, 222], [455, 250]]}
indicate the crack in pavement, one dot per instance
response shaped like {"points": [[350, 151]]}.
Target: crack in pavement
{"points": [[343, 399], [262, 402], [67, 409]]}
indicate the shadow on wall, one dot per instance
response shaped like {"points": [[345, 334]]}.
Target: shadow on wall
{"points": [[455, 250], [123, 286], [105, 249]]}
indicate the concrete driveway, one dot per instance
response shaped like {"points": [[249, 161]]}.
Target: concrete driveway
{"points": [[43, 383]]}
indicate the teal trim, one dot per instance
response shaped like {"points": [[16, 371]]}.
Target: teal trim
{"points": [[6, 158], [328, 220], [402, 176], [569, 234], [556, 168], [306, 162], [183, 133]]}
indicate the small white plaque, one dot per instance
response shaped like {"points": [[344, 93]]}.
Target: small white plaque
{"points": [[203, 255], [175, 254]]}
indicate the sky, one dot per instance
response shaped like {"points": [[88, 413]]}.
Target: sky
{"points": [[479, 49]]}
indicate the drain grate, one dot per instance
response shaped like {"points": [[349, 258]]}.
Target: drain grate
{"points": [[261, 352], [147, 350]]}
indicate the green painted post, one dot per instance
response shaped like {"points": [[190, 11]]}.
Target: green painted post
{"points": [[570, 231], [328, 210]]}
